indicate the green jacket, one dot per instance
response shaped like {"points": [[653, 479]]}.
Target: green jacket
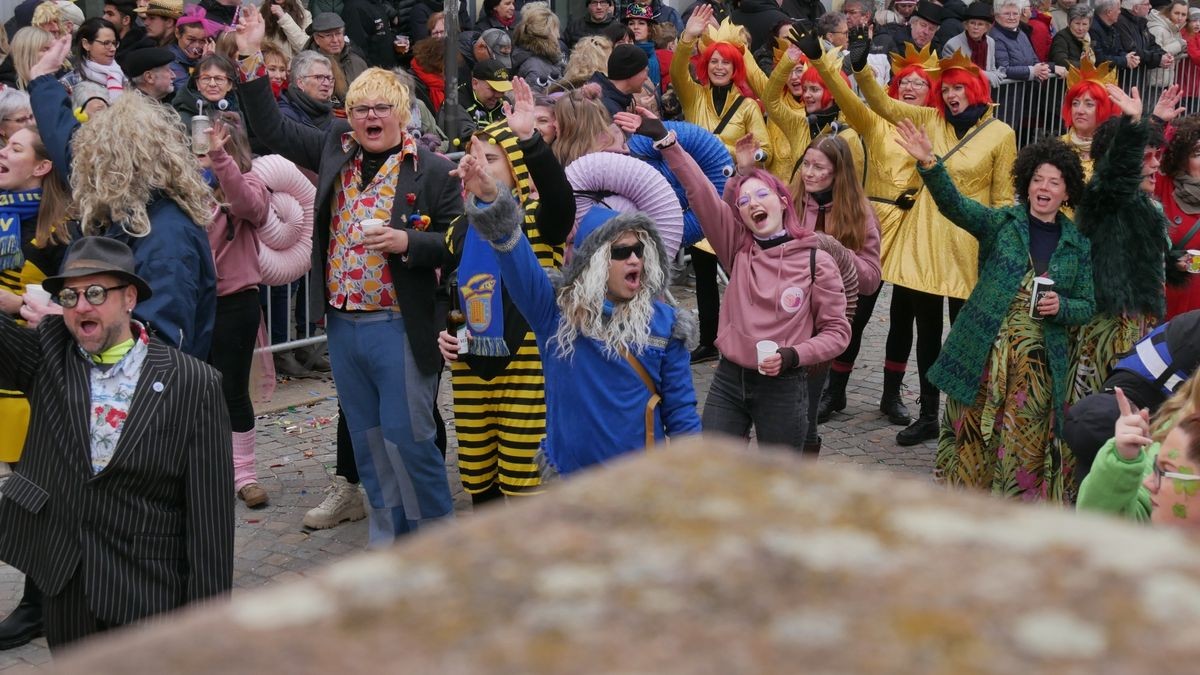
{"points": [[1003, 235], [1114, 484]]}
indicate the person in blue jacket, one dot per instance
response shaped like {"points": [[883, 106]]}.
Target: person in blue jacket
{"points": [[137, 181], [616, 358]]}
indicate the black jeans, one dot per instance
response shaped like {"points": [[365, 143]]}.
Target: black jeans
{"points": [[926, 310], [234, 334], [708, 294], [862, 316], [776, 406]]}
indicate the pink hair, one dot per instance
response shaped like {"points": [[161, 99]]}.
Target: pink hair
{"points": [[791, 222]]}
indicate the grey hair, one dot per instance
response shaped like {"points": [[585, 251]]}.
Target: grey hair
{"points": [[1102, 6], [1079, 11], [12, 101], [829, 22], [1130, 4], [303, 62], [868, 6], [1019, 4]]}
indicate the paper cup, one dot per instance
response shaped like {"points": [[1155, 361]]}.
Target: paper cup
{"points": [[35, 292], [1193, 260], [765, 348]]}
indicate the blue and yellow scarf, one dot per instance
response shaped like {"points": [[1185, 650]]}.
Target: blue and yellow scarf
{"points": [[16, 210]]}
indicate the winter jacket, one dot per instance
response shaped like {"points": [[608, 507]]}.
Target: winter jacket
{"points": [[667, 14], [215, 11], [803, 9], [418, 19], [759, 17], [614, 100], [1185, 297], [772, 294], [293, 106], [1114, 485], [369, 27], [486, 22], [181, 67], [185, 103], [1003, 235], [1136, 37], [1037, 29], [294, 34], [959, 43], [595, 402], [1108, 43], [1014, 53], [1168, 37], [536, 69], [1066, 49], [583, 27], [953, 12], [175, 258], [233, 234]]}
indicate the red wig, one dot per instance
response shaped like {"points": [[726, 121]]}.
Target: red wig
{"points": [[729, 53], [811, 76], [977, 87], [1105, 108], [894, 87]]}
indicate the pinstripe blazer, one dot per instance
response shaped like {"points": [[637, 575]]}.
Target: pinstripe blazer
{"points": [[154, 529]]}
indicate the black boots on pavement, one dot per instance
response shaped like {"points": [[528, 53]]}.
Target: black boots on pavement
{"points": [[890, 404], [926, 427], [25, 622], [833, 399]]}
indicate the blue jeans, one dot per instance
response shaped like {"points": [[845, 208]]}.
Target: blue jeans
{"points": [[776, 406], [388, 405]]}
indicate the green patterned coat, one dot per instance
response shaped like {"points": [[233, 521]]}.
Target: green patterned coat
{"points": [[1003, 235]]}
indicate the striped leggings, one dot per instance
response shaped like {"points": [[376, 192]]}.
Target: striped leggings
{"points": [[500, 423]]}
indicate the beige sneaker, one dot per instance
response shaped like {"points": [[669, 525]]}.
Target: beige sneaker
{"points": [[254, 495], [343, 502]]}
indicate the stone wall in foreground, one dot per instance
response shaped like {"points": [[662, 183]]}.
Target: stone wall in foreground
{"points": [[706, 558]]}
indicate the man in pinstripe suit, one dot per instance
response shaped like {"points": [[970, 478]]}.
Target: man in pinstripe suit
{"points": [[120, 507]]}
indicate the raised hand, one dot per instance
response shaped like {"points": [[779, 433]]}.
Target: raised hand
{"points": [[746, 153], [218, 136], [1167, 108], [250, 30], [521, 115], [1132, 430], [1130, 104], [698, 21], [644, 123], [804, 36], [52, 59], [473, 171], [914, 141], [859, 47]]}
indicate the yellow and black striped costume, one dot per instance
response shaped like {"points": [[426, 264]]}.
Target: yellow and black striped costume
{"points": [[500, 414]]}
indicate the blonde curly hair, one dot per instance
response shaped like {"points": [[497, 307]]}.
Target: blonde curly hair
{"points": [[114, 179]]}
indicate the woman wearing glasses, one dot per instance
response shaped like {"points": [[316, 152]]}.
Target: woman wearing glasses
{"points": [[94, 49], [15, 113], [1150, 469], [212, 86]]}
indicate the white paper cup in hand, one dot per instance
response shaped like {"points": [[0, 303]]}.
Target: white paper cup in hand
{"points": [[371, 225], [37, 294], [765, 348]]}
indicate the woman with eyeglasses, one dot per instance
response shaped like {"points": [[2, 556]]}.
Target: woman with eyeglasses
{"points": [[1150, 470], [211, 88], [784, 308], [15, 113], [94, 49]]}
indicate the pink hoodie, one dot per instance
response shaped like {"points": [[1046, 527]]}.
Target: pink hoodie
{"points": [[866, 259], [236, 253], [772, 294]]}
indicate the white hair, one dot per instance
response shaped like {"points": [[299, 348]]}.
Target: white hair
{"points": [[582, 305], [1021, 5]]}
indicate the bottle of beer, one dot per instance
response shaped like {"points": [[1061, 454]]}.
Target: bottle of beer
{"points": [[456, 321]]}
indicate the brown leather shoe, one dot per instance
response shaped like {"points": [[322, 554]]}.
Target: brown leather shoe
{"points": [[253, 495]]}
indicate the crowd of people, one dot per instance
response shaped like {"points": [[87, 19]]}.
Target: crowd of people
{"points": [[171, 174]]}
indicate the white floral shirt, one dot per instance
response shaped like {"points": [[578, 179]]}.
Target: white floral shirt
{"points": [[112, 391]]}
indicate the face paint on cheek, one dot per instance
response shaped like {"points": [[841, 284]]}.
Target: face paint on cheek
{"points": [[1179, 511], [1173, 454]]}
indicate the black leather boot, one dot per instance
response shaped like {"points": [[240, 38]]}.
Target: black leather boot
{"points": [[890, 404], [833, 399], [25, 622], [926, 427], [811, 450]]}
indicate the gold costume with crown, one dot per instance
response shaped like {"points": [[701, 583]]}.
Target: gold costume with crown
{"points": [[921, 249], [697, 100], [1086, 72]]}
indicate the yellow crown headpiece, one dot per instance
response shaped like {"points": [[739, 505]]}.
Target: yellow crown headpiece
{"points": [[911, 57], [959, 61], [726, 32], [1089, 72]]}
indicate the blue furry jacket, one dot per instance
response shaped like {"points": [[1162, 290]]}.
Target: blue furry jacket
{"points": [[595, 403]]}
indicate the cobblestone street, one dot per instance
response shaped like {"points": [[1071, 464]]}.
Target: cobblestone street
{"points": [[296, 455]]}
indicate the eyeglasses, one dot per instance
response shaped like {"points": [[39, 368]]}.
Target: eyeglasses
{"points": [[95, 295], [916, 83], [623, 252], [381, 110], [1159, 475], [332, 34], [319, 78], [213, 79], [759, 194], [23, 119], [106, 43]]}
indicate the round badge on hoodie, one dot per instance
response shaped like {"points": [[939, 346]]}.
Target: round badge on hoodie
{"points": [[792, 299]]}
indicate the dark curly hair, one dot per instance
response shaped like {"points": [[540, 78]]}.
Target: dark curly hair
{"points": [[1055, 153], [1179, 150], [1104, 133]]}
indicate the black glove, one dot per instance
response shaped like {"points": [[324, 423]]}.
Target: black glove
{"points": [[652, 128], [804, 36], [860, 47]]}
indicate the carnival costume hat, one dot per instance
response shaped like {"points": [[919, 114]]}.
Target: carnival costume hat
{"points": [[727, 31], [926, 59], [1089, 72], [959, 61]]}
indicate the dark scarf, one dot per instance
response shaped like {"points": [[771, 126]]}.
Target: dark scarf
{"points": [[821, 119], [963, 121], [979, 51], [1187, 194], [320, 113], [823, 199], [18, 218], [719, 95]]}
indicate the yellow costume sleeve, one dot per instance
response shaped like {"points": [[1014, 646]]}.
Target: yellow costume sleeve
{"points": [[857, 114], [889, 108], [752, 122], [1002, 165], [755, 77], [794, 124], [687, 89]]}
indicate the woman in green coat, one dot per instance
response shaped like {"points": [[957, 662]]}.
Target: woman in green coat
{"points": [[1005, 367]]}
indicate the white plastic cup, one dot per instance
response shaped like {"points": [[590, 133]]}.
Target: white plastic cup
{"points": [[765, 348], [37, 294], [371, 225], [1193, 261]]}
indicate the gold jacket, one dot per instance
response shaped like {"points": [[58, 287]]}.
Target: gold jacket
{"points": [[925, 251], [790, 121], [698, 107]]}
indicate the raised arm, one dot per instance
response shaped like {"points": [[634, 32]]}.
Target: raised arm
{"points": [[556, 199], [861, 118], [889, 108], [966, 213], [794, 123], [51, 105], [247, 194], [687, 89]]}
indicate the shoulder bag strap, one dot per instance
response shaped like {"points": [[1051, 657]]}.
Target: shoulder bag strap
{"points": [[964, 139], [655, 399], [728, 116], [1190, 233]]}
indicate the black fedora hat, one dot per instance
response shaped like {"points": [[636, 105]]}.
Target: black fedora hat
{"points": [[98, 255], [981, 11]]}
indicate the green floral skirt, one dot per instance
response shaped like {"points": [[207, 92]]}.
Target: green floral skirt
{"points": [[1098, 344], [1004, 440]]}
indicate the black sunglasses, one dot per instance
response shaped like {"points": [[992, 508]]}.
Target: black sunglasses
{"points": [[623, 252]]}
